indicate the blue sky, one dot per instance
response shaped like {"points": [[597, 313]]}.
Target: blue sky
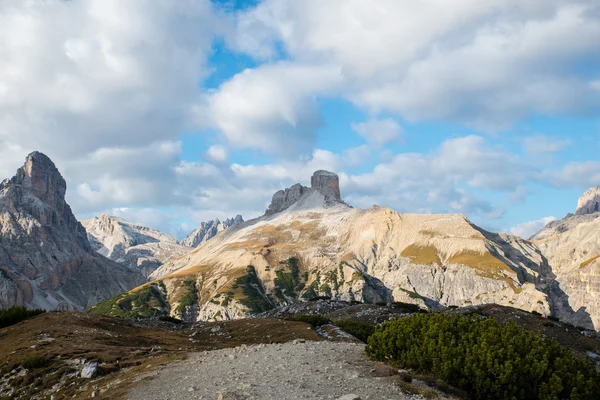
{"points": [[181, 112]]}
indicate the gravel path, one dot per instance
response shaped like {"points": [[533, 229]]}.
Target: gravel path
{"points": [[311, 370]]}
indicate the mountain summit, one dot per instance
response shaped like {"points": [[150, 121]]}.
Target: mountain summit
{"points": [[46, 260], [324, 191]]}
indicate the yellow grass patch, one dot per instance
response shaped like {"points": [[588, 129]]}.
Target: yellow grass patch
{"points": [[588, 262], [424, 255]]}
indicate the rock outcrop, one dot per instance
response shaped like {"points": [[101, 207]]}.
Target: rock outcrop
{"points": [[208, 230], [46, 260], [136, 246], [319, 246], [325, 183], [572, 249], [589, 202]]}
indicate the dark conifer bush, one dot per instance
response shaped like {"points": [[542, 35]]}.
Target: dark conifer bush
{"points": [[485, 358], [16, 314]]}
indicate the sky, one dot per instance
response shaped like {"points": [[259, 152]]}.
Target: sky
{"points": [[172, 113]]}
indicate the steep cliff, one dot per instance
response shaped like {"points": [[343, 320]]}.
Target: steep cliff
{"points": [[572, 248], [46, 260]]}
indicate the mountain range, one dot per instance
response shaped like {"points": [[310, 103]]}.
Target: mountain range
{"points": [[308, 244]]}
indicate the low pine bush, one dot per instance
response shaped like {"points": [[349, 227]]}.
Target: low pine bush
{"points": [[314, 320], [16, 314], [35, 362], [485, 358], [359, 330]]}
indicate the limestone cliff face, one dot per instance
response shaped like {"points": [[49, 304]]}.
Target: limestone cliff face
{"points": [[324, 182], [589, 202], [46, 260], [208, 230], [319, 246], [572, 249], [137, 247]]}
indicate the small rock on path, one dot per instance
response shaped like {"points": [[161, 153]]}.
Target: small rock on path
{"points": [[310, 370]]}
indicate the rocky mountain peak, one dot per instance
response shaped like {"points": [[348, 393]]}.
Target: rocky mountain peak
{"points": [[45, 257], [323, 182], [40, 178], [327, 183], [207, 230], [589, 202]]}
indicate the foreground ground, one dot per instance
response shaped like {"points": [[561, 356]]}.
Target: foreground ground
{"points": [[147, 355], [311, 370]]}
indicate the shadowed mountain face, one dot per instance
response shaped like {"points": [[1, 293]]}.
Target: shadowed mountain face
{"points": [[46, 260], [572, 248]]}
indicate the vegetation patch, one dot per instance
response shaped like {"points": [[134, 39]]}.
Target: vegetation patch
{"points": [[168, 318], [288, 283], [314, 320], [146, 302], [484, 357], [189, 298], [425, 255], [360, 330], [589, 262], [485, 262], [35, 362], [412, 295], [256, 298], [16, 314]]}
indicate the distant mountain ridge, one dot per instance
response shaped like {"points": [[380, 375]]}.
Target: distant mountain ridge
{"points": [[133, 245], [209, 229], [46, 260], [310, 243]]}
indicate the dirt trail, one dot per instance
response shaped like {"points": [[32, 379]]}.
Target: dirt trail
{"points": [[309, 370]]}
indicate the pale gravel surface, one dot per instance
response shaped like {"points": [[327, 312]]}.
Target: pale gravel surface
{"points": [[311, 370]]}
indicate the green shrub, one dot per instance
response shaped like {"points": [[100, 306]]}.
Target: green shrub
{"points": [[314, 320], [288, 283], [189, 298], [256, 298], [16, 314], [412, 308], [35, 362], [360, 330], [168, 318], [485, 358]]}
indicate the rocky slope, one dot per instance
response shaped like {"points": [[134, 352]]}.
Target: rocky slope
{"points": [[208, 230], [310, 243], [46, 260], [133, 245], [572, 248]]}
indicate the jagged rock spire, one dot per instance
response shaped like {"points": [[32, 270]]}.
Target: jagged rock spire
{"points": [[325, 182]]}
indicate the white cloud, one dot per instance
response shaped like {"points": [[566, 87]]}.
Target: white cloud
{"points": [[485, 64], [378, 131], [528, 229], [272, 108], [217, 153], [575, 174], [105, 88], [541, 144]]}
